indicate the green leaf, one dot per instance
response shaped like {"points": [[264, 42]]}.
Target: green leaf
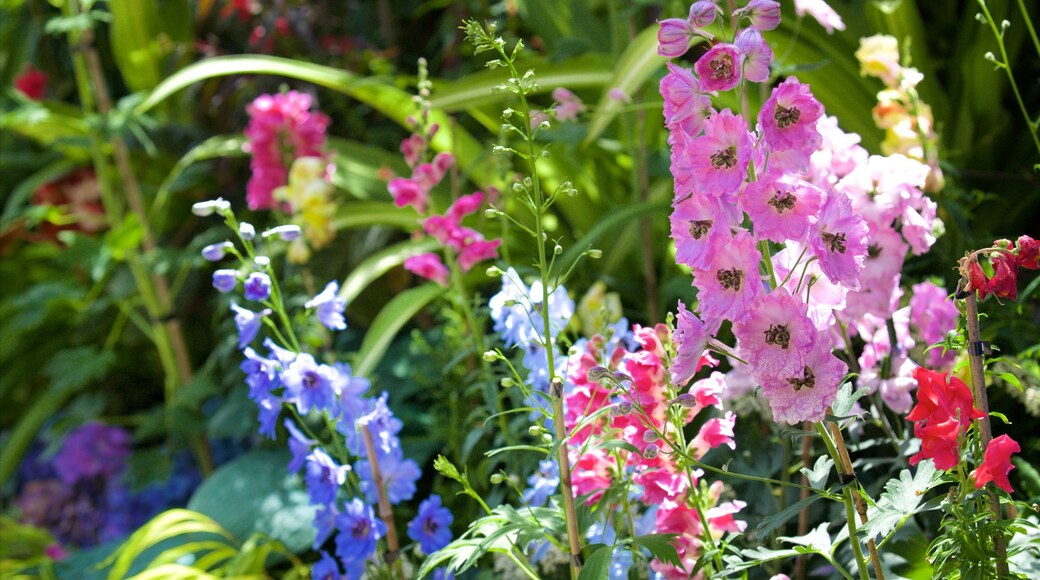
{"points": [[361, 168], [817, 476], [1011, 380], [388, 322], [136, 45], [22, 193], [597, 566], [845, 399], [774, 521], [661, 547], [256, 493], [214, 147], [165, 526], [638, 63], [362, 214], [901, 499], [379, 263], [818, 540], [610, 222]]}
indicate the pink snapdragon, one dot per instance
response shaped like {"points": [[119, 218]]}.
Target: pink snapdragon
{"points": [[715, 432], [281, 128], [428, 266]]}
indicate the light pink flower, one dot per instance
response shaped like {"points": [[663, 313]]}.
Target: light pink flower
{"points": [[839, 240], [757, 54], [690, 339], [719, 158], [719, 68], [824, 296], [702, 13], [781, 207], [673, 37], [824, 14], [728, 288], [879, 290], [806, 395], [788, 119], [568, 105], [428, 266], [764, 14], [685, 107], [697, 223], [775, 335], [934, 315]]}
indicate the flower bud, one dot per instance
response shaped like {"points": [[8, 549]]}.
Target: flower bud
{"points": [[597, 373], [507, 382], [673, 38], [207, 208], [686, 400], [764, 14], [490, 356], [650, 436], [497, 479], [557, 249], [594, 254], [262, 261], [625, 407], [287, 232], [246, 230], [702, 13], [535, 430], [258, 287], [225, 280], [494, 271], [216, 252], [491, 213], [651, 451]]}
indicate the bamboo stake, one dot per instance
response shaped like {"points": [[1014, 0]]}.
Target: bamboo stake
{"points": [[386, 512]]}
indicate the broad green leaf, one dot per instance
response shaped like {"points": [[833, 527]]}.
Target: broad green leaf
{"points": [[384, 97], [214, 147], [136, 45], [379, 263], [901, 499], [165, 526], [637, 64], [774, 521], [362, 214], [389, 322], [255, 492], [597, 566]]}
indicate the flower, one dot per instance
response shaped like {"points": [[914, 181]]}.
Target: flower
{"points": [[359, 530], [691, 339], [839, 240], [329, 307], [788, 119], [714, 432], [934, 315], [878, 56], [324, 477], [225, 280], [428, 266], [288, 232], [216, 252], [757, 55], [824, 14], [543, 483], [685, 107], [92, 450], [248, 323], [719, 158], [208, 208], [729, 285], [246, 230], [431, 525], [299, 445], [258, 287], [996, 463], [32, 82], [1027, 253], [408, 192], [568, 105], [310, 384], [326, 568], [781, 206], [776, 335], [673, 38], [399, 476], [719, 68], [806, 394], [943, 411], [763, 14], [702, 13], [699, 224]]}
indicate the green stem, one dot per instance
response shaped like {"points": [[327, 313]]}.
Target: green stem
{"points": [[850, 509], [1029, 26], [999, 35]]}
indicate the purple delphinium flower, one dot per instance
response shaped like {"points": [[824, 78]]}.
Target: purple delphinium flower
{"points": [[258, 287], [326, 568], [299, 444], [248, 323], [329, 307], [399, 476], [286, 232], [92, 450], [381, 422], [216, 252], [543, 483], [359, 530], [324, 477], [324, 524], [261, 373], [224, 280], [309, 384], [269, 408], [431, 526]]}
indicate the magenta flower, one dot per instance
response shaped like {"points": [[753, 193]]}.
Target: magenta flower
{"points": [[702, 13], [715, 432], [757, 55], [719, 158], [698, 222], [719, 68], [839, 240], [673, 38], [428, 266], [781, 208], [806, 394], [763, 14], [408, 192], [685, 107], [788, 119], [477, 251], [464, 206], [729, 286], [691, 340], [775, 335]]}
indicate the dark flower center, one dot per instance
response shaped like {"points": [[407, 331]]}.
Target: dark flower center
{"points": [[783, 200], [724, 158], [721, 67], [699, 228], [785, 117], [730, 279], [873, 251], [430, 526], [779, 335], [808, 382], [311, 380], [836, 242], [361, 528]]}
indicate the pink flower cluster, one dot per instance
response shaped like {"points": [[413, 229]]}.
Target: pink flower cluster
{"points": [[281, 128], [466, 245], [843, 222], [642, 410]]}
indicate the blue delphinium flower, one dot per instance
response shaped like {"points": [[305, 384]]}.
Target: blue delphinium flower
{"points": [[381, 423], [359, 530], [543, 483], [326, 568], [269, 408], [431, 527], [258, 287], [261, 373], [216, 252], [621, 561], [248, 323], [309, 384], [286, 232], [225, 280], [329, 307], [399, 476], [324, 477], [299, 444]]}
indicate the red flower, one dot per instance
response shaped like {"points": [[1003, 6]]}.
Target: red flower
{"points": [[1003, 284], [1028, 253], [32, 83], [944, 410], [996, 463]]}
